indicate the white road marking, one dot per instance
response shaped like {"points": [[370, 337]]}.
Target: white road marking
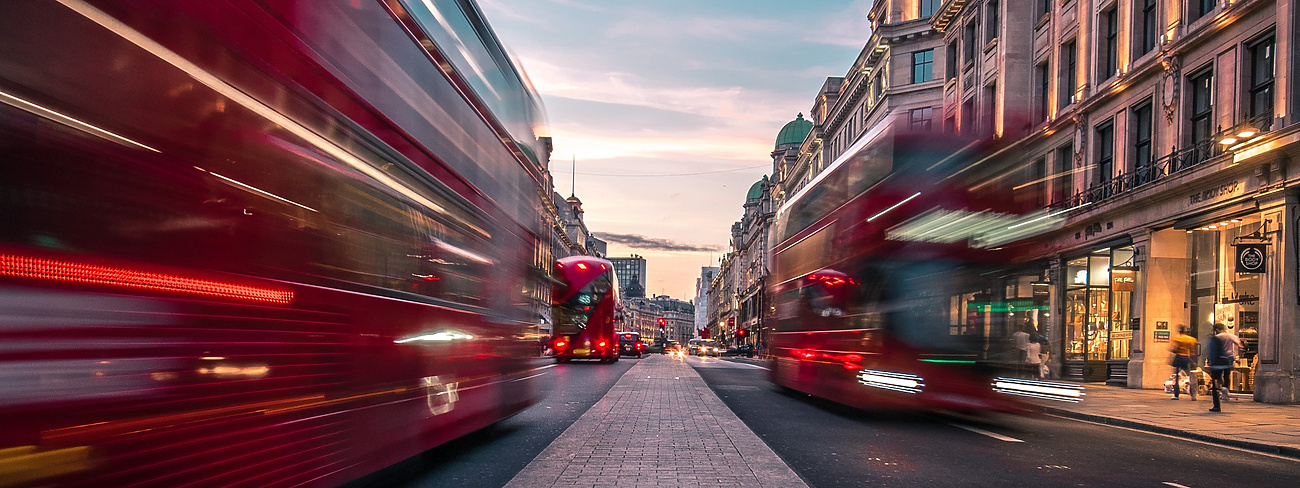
{"points": [[752, 365], [530, 377], [994, 435], [552, 365], [1175, 485]]}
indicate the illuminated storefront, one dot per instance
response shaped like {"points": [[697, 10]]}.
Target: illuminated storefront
{"points": [[1097, 313]]}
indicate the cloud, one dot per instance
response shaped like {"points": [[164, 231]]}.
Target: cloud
{"points": [[637, 241]]}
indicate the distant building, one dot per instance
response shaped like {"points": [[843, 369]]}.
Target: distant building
{"points": [[631, 275], [707, 273]]}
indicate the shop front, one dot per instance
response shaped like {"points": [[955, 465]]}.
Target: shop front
{"points": [[1226, 256], [1098, 300]]}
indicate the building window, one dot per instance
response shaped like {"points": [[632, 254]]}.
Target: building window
{"points": [[951, 61], [1200, 117], [969, 42], [1066, 87], [1260, 98], [1044, 79], [920, 119], [968, 117], [1105, 155], [1142, 134], [923, 66], [990, 111], [1145, 26], [929, 7], [991, 21], [1198, 8], [1044, 7], [1062, 184], [1040, 187], [1108, 50]]}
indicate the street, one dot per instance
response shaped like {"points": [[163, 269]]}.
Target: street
{"points": [[829, 445]]}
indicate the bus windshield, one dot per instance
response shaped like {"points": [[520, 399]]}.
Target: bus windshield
{"points": [[571, 316]]}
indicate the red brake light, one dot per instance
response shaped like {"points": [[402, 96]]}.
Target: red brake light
{"points": [[560, 344], [600, 344], [582, 266]]}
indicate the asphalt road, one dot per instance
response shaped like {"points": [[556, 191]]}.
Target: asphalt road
{"points": [[491, 457], [832, 446]]}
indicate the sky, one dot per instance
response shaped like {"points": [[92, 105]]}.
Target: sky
{"points": [[671, 108]]}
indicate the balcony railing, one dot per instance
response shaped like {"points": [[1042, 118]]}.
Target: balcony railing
{"points": [[1178, 160]]}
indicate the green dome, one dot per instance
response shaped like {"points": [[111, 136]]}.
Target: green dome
{"points": [[795, 131], [756, 191]]}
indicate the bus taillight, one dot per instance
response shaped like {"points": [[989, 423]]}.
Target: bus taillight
{"points": [[559, 344], [600, 344]]}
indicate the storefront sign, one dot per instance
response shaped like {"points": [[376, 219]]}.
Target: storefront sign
{"points": [[1230, 189], [1121, 335], [1161, 335], [1123, 278], [1250, 258]]}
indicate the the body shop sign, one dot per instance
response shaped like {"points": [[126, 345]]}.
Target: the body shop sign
{"points": [[1250, 258]]}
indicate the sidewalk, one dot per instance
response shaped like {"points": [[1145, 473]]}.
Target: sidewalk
{"points": [[659, 426], [1243, 423]]}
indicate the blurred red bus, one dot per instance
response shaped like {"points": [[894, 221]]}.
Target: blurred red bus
{"points": [[586, 310], [873, 265], [258, 242]]}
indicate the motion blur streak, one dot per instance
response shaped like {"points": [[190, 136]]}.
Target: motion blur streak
{"points": [[50, 269], [69, 121], [234, 94], [25, 464], [1039, 389], [889, 380]]}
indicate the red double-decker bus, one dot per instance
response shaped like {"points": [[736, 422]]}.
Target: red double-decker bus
{"points": [[878, 269], [586, 310], [259, 242]]}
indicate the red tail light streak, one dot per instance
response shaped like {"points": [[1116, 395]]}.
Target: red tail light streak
{"points": [[75, 272]]}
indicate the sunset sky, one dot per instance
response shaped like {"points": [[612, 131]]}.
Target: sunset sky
{"points": [[671, 108]]}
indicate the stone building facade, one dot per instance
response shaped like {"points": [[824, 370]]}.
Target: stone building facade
{"points": [[1161, 132]]}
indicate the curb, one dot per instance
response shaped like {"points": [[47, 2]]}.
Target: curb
{"points": [[1248, 445]]}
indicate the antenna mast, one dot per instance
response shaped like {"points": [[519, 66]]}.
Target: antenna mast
{"points": [[573, 175]]}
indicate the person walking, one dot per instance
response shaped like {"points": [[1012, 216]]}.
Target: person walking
{"points": [[1223, 354], [1184, 347]]}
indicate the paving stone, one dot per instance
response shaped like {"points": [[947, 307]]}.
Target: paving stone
{"points": [[660, 425]]}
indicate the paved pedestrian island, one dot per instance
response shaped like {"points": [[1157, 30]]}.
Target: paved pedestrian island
{"points": [[1243, 423], [659, 426]]}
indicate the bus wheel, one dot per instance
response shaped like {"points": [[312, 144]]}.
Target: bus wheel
{"points": [[615, 360], [561, 360]]}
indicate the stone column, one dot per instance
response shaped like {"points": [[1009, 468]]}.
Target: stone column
{"points": [[1276, 378], [1162, 283], [1137, 348]]}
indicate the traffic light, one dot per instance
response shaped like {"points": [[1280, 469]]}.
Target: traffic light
{"points": [[662, 322], [741, 333]]}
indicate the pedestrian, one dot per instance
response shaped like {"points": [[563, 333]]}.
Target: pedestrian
{"points": [[1034, 356], [1223, 354], [1184, 347]]}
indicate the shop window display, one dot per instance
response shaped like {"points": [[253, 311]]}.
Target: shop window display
{"points": [[1220, 294], [1097, 316]]}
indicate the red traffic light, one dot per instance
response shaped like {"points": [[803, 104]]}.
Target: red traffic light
{"points": [[662, 321], [741, 332]]}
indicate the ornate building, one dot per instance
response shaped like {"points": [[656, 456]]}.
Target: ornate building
{"points": [[1160, 131]]}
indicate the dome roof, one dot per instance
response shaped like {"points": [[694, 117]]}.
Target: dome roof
{"points": [[794, 131], [756, 191]]}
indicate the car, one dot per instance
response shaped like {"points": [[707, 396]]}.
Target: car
{"points": [[743, 350], [629, 344]]}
